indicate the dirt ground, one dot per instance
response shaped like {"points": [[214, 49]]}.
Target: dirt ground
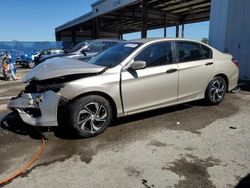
{"points": [[190, 145]]}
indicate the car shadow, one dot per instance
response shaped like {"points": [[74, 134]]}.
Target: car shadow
{"points": [[244, 85], [151, 113], [64, 131], [12, 122]]}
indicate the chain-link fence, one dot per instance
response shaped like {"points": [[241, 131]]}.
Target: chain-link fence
{"points": [[17, 48], [28, 47]]}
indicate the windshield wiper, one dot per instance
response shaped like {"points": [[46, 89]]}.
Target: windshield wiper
{"points": [[84, 52], [106, 68]]}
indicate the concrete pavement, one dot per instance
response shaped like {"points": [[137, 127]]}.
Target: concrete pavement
{"points": [[191, 145]]}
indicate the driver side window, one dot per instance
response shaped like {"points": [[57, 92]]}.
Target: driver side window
{"points": [[156, 54]]}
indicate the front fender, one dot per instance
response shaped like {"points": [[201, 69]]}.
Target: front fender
{"points": [[107, 84]]}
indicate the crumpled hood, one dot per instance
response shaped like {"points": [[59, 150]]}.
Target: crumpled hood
{"points": [[59, 66]]}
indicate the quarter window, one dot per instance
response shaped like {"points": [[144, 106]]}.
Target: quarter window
{"points": [[207, 52], [156, 54], [189, 51]]}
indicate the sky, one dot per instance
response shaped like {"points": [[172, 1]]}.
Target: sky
{"points": [[35, 20]]}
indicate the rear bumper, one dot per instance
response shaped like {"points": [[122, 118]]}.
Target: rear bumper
{"points": [[233, 81], [37, 109]]}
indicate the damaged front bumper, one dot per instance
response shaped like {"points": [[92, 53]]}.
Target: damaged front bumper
{"points": [[37, 109]]}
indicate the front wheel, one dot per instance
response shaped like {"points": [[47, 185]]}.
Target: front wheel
{"points": [[90, 115], [216, 90]]}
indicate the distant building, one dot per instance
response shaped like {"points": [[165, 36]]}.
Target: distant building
{"points": [[230, 31]]}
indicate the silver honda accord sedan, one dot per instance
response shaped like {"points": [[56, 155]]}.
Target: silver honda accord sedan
{"points": [[129, 78]]}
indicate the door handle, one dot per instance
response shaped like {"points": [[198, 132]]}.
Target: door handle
{"points": [[171, 71], [209, 63]]}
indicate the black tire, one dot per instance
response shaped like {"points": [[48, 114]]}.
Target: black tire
{"points": [[84, 118], [31, 64], [216, 90]]}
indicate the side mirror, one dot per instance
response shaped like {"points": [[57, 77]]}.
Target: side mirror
{"points": [[137, 65]]}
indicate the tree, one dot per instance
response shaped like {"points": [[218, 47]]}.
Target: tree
{"points": [[204, 40]]}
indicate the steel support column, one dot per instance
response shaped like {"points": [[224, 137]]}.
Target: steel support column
{"points": [[58, 36], [144, 18], [182, 30], [177, 31], [165, 26], [95, 30], [73, 32], [165, 32], [121, 35], [121, 30]]}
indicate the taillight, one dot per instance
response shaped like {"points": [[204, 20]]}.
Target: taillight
{"points": [[235, 62]]}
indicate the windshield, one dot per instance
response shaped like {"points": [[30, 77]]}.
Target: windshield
{"points": [[78, 46], [98, 46], [114, 55]]}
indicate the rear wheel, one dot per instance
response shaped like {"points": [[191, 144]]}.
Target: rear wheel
{"points": [[90, 115], [216, 90]]}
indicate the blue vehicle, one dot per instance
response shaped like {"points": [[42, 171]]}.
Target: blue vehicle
{"points": [[25, 60]]}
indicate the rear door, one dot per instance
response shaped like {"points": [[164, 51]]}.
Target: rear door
{"points": [[154, 86], [195, 65]]}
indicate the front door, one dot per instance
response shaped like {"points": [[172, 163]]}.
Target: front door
{"points": [[154, 86]]}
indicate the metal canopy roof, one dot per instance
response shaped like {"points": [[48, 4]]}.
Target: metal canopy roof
{"points": [[130, 18]]}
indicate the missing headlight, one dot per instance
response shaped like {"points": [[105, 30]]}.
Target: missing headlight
{"points": [[44, 88], [33, 112], [54, 84], [35, 87]]}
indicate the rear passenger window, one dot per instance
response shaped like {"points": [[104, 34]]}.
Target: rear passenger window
{"points": [[189, 51], [207, 52], [156, 54]]}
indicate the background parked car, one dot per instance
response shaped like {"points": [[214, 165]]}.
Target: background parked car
{"points": [[74, 50], [28, 60], [84, 50], [46, 52], [25, 60], [93, 48]]}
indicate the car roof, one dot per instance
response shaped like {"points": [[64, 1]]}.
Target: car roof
{"points": [[147, 40], [108, 40]]}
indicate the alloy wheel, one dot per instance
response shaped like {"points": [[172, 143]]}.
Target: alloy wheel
{"points": [[217, 90], [92, 117]]}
